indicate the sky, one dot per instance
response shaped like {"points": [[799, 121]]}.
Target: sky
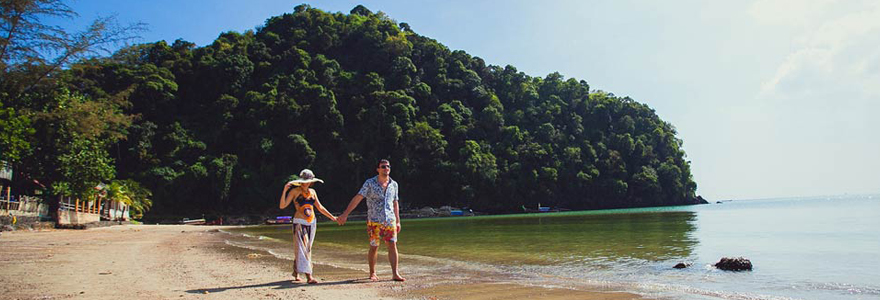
{"points": [[772, 98]]}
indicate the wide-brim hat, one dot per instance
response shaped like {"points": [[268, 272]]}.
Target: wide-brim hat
{"points": [[306, 176]]}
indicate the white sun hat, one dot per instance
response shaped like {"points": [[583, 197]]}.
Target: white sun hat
{"points": [[306, 176]]}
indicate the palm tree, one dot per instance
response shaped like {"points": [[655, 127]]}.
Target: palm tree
{"points": [[135, 197]]}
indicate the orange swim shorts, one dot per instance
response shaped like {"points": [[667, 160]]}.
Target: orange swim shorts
{"points": [[384, 231]]}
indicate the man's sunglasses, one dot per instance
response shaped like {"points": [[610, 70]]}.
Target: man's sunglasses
{"points": [[385, 167]]}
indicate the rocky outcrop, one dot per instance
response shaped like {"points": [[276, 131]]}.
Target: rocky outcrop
{"points": [[701, 200], [682, 265], [734, 264]]}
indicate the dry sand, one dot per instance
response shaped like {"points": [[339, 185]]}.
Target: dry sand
{"points": [[194, 262]]}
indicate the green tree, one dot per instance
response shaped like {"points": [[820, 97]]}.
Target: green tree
{"points": [[228, 122], [82, 165], [30, 50], [15, 130]]}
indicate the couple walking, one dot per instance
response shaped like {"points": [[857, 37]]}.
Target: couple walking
{"points": [[383, 218]]}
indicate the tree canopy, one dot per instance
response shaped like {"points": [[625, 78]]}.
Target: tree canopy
{"points": [[220, 128]]}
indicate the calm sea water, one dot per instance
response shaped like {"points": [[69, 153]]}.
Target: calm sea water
{"points": [[801, 248]]}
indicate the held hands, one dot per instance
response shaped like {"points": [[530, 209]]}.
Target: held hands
{"points": [[398, 227], [341, 219]]}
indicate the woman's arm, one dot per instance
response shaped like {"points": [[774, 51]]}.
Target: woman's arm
{"points": [[286, 199], [321, 208]]}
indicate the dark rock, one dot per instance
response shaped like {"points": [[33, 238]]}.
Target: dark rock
{"points": [[701, 200], [428, 211], [734, 264], [7, 228], [682, 265]]}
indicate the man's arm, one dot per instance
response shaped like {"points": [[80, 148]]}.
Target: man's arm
{"points": [[397, 214], [351, 206], [397, 205]]}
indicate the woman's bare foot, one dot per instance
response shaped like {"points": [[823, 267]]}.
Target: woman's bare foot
{"points": [[373, 277], [397, 277], [296, 277], [310, 279]]}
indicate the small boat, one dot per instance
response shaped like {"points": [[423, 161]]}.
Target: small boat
{"points": [[187, 221], [280, 220], [543, 209]]}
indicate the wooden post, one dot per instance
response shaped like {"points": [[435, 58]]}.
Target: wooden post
{"points": [[8, 197], [76, 208]]}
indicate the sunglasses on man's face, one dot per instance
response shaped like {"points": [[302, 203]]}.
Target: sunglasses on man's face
{"points": [[385, 167]]}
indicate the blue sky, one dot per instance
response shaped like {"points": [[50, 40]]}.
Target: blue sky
{"points": [[773, 98]]}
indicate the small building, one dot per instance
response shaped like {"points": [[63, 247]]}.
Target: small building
{"points": [[18, 205], [5, 170]]}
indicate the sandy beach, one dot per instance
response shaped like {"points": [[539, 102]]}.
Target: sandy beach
{"points": [[195, 262]]}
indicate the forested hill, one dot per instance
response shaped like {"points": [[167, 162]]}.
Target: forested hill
{"points": [[220, 128]]}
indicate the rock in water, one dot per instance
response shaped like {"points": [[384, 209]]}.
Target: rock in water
{"points": [[734, 264], [682, 265]]}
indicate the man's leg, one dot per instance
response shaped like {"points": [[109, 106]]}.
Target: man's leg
{"points": [[392, 258], [371, 258]]}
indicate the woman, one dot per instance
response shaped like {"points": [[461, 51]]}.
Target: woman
{"points": [[305, 201]]}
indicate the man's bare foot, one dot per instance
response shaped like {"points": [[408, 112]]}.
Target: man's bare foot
{"points": [[398, 278], [373, 277]]}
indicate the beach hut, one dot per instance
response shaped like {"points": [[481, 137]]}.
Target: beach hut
{"points": [[5, 182]]}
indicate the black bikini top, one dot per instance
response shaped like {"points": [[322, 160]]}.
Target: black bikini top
{"points": [[300, 200]]}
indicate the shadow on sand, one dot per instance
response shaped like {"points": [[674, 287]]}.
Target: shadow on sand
{"points": [[282, 284]]}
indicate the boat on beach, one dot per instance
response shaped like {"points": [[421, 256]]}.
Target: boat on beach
{"points": [[280, 220], [543, 209], [187, 221]]}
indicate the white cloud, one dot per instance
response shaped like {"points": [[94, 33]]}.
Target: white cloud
{"points": [[834, 54], [793, 13]]}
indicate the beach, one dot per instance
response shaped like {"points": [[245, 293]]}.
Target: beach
{"points": [[611, 254], [196, 262]]}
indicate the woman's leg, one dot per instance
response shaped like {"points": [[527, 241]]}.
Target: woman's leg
{"points": [[296, 253], [303, 248], [311, 240]]}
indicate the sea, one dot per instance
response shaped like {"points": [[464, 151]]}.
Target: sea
{"points": [[800, 248]]}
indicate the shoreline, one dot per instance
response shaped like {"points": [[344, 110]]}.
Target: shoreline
{"points": [[192, 262], [265, 219]]}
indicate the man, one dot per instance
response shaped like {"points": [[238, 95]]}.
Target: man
{"points": [[383, 216]]}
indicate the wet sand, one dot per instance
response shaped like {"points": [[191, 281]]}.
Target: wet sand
{"points": [[195, 262]]}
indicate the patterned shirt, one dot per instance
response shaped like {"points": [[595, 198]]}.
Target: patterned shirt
{"points": [[380, 201]]}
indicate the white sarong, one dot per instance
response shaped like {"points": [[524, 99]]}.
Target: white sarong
{"points": [[303, 237]]}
